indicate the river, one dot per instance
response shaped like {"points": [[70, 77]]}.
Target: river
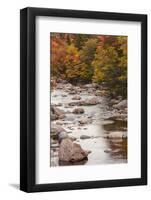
{"points": [[103, 150]]}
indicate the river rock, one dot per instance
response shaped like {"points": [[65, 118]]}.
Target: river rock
{"points": [[98, 93], [59, 123], [113, 101], [62, 135], [60, 114], [71, 152], [77, 97], [77, 103], [102, 93], [119, 117], [87, 102], [84, 137], [90, 90], [68, 86], [84, 120], [59, 86], [53, 117], [88, 86], [72, 92], [78, 111], [64, 95], [57, 105], [121, 105], [92, 101], [119, 98], [54, 145], [72, 138], [57, 111], [56, 129]]}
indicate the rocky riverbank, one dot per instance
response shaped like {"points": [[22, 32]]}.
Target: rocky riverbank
{"points": [[87, 126]]}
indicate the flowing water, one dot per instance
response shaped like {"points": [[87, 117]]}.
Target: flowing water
{"points": [[103, 150]]}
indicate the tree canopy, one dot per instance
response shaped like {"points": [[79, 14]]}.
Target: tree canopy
{"points": [[82, 58]]}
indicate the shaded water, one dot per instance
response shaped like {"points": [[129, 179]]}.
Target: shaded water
{"points": [[103, 150]]}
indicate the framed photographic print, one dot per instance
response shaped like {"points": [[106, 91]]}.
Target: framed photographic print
{"points": [[83, 99]]}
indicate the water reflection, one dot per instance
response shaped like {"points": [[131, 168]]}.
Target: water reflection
{"points": [[82, 162], [116, 125], [118, 148]]}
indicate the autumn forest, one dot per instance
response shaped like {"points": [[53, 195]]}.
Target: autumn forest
{"points": [[82, 58]]}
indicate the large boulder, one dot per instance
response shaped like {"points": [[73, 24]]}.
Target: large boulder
{"points": [[78, 111], [71, 152]]}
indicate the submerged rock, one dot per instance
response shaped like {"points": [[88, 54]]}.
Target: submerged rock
{"points": [[84, 137], [71, 152]]}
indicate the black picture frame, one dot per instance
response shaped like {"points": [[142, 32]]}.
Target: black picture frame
{"points": [[28, 99]]}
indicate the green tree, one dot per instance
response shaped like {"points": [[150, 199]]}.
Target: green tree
{"points": [[110, 65], [86, 57]]}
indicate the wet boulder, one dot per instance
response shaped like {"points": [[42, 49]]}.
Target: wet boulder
{"points": [[71, 152]]}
